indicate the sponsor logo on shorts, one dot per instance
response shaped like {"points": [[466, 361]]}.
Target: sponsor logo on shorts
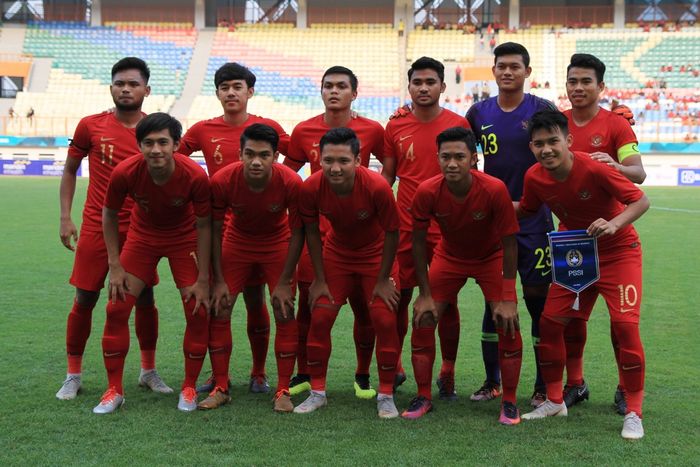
{"points": [[596, 140], [478, 215], [362, 214], [584, 194], [574, 258]]}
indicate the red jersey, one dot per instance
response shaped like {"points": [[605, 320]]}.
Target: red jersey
{"points": [[166, 211], [358, 221], [412, 143], [221, 143], [471, 228], [260, 222], [106, 142], [304, 142], [591, 191], [607, 132]]}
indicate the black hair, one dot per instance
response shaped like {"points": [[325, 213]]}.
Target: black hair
{"points": [[156, 122], [457, 133], [260, 132], [341, 70], [511, 48], [343, 136], [132, 63], [588, 61], [231, 71], [427, 63], [548, 119]]}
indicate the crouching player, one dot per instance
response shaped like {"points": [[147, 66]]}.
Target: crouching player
{"points": [[259, 191], [170, 218], [585, 194], [478, 228], [360, 248]]}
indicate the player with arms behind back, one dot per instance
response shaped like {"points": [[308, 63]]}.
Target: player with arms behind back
{"points": [[338, 91], [106, 139], [478, 229], [591, 196], [500, 125], [409, 154], [171, 218], [609, 139]]}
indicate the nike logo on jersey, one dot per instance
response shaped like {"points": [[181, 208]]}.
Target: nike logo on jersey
{"points": [[315, 144], [401, 138], [104, 138], [216, 140], [544, 273], [486, 127]]}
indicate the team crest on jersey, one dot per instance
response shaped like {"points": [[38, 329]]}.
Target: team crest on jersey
{"points": [[596, 140], [574, 258], [524, 124], [478, 215], [274, 208], [177, 202], [362, 214], [584, 194], [142, 201]]}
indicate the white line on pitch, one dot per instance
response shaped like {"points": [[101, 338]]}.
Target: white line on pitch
{"points": [[691, 211]]}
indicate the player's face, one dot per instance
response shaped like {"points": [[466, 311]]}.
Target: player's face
{"points": [[455, 160], [128, 90], [551, 148], [234, 95], [510, 72], [158, 149], [425, 88], [338, 164], [337, 93], [583, 88], [257, 157]]}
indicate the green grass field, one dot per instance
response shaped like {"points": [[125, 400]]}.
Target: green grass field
{"points": [[35, 428]]}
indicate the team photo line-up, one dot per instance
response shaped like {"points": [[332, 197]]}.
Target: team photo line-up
{"points": [[342, 235]]}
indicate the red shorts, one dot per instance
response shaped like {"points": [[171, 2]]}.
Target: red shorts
{"points": [[90, 266], [404, 255], [448, 275], [620, 284], [242, 269], [140, 258], [343, 278]]}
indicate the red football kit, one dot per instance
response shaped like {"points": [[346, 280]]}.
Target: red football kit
{"points": [[607, 132], [162, 225], [257, 237], [591, 191], [220, 142], [472, 230], [352, 253]]}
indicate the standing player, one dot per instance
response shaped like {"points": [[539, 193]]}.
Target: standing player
{"points": [[409, 154], [218, 139], [478, 227], [171, 218], [260, 192], [500, 125], [338, 91], [106, 139], [608, 138], [360, 248], [588, 195]]}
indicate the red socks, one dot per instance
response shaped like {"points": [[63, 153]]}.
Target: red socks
{"points": [[115, 340], [423, 357], [220, 345], [448, 331], [510, 357], [363, 333], [194, 345], [319, 343], [552, 357], [384, 322], [259, 337], [77, 333], [146, 324], [303, 323], [575, 335], [631, 364], [286, 341]]}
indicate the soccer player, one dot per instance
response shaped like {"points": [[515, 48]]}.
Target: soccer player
{"points": [[586, 194], [106, 139], [171, 218], [260, 192], [338, 91], [478, 226], [218, 139], [609, 139], [409, 154], [500, 126], [360, 248]]}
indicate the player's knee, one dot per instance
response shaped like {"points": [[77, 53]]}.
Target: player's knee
{"points": [[145, 298], [510, 345], [253, 297], [118, 313], [86, 298]]}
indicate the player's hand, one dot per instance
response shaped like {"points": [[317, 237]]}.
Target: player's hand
{"points": [[505, 315], [68, 231], [319, 289], [605, 158], [401, 112], [424, 312], [220, 296], [623, 111], [387, 291], [282, 299], [200, 291], [118, 286], [601, 227]]}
